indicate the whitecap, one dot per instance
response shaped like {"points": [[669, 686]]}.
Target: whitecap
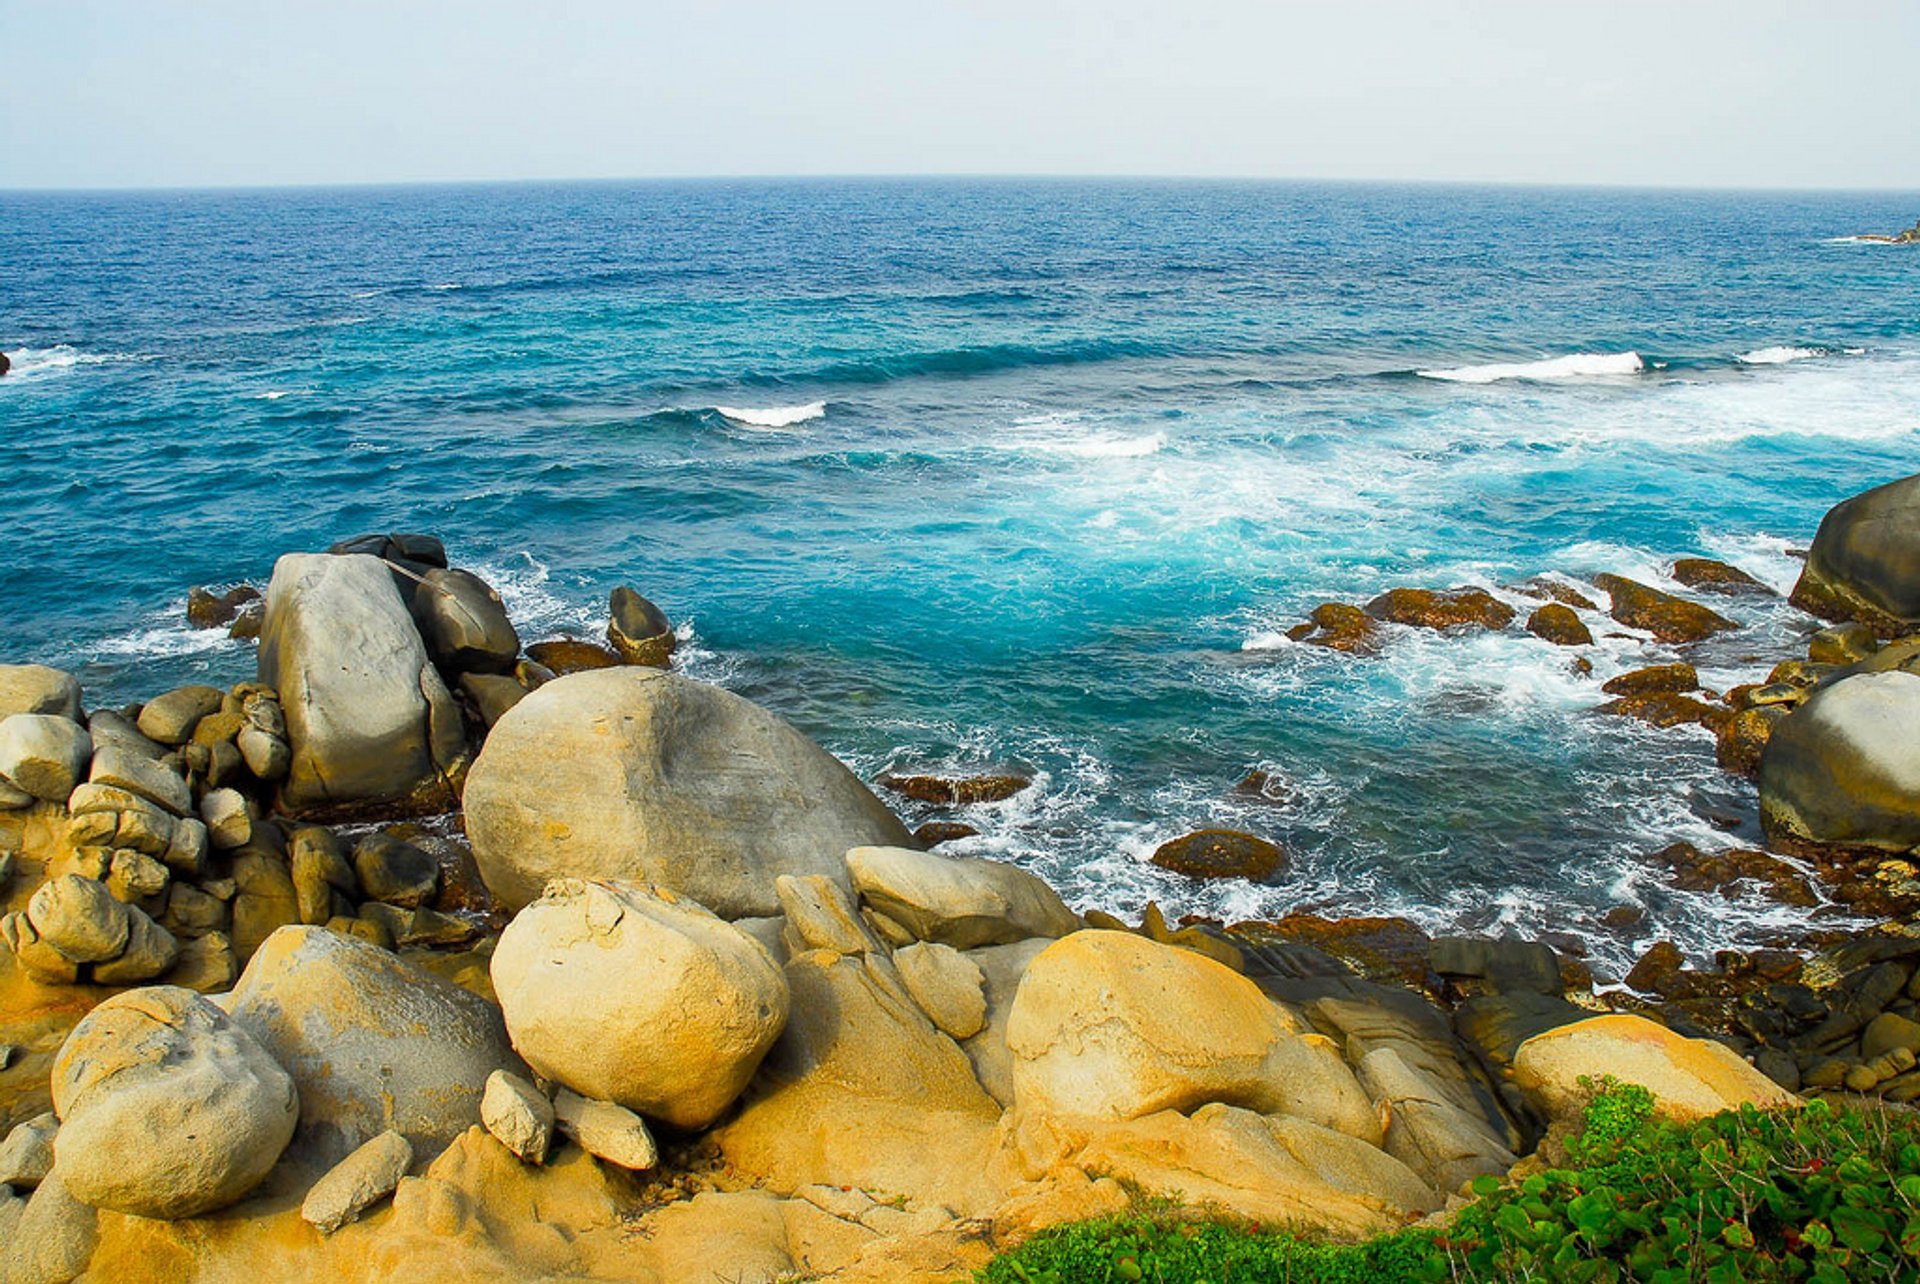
{"points": [[1578, 365], [164, 641], [1105, 446], [1778, 355], [29, 363], [445, 285], [774, 416], [1266, 640]]}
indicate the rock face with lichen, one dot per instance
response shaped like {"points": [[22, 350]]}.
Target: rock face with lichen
{"points": [[1864, 563], [1844, 768]]}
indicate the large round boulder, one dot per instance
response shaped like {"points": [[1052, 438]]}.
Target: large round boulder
{"points": [[372, 1041], [44, 754], [168, 1108], [370, 721], [629, 994], [34, 688], [464, 623], [1864, 563], [1844, 767], [1109, 1025], [640, 775], [1689, 1078]]}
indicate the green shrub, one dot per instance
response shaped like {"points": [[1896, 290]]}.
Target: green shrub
{"points": [[1819, 1194]]}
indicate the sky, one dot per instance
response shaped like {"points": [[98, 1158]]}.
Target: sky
{"points": [[109, 93]]}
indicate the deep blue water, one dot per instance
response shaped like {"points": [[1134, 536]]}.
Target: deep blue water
{"points": [[1082, 452]]}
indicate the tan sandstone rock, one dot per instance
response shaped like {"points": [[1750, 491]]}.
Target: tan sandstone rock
{"points": [[1689, 1078], [959, 901]]}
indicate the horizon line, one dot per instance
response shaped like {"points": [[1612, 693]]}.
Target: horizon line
{"points": [[933, 176]]}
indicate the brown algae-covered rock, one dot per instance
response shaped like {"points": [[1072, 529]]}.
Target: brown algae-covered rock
{"points": [[1668, 618], [1435, 609], [1221, 853]]}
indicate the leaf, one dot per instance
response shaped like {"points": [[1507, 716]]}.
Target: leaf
{"points": [[1858, 1229], [1485, 1186]]}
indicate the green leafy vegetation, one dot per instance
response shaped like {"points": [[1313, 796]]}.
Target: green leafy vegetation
{"points": [[1821, 1194]]}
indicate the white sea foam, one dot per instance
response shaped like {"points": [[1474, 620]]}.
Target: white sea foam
{"points": [[774, 416], [1578, 365], [1779, 356], [30, 363], [164, 636], [1103, 446]]}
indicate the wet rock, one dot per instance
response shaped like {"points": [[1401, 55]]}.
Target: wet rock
{"points": [[492, 694], [1559, 625], [1432, 609], [1264, 787], [639, 630], [639, 774], [209, 610], [1339, 626], [1845, 767], [35, 688], [1541, 587], [1864, 564], [952, 791], [1656, 679], [1717, 577], [464, 623], [1507, 966], [1391, 950], [1668, 618], [1666, 709], [43, 754], [518, 1115], [419, 553], [369, 720], [1847, 643], [935, 832], [358, 1182], [1698, 871], [1742, 739], [957, 901], [168, 1109], [395, 872], [606, 1131], [1221, 853], [571, 655]]}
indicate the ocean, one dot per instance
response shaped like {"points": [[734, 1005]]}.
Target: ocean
{"points": [[976, 475]]}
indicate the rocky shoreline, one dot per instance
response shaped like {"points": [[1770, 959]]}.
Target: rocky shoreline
{"points": [[431, 951]]}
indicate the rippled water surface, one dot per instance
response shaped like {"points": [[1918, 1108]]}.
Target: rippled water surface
{"points": [[998, 475]]}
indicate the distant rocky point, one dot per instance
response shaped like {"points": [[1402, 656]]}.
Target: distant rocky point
{"points": [[1909, 237]]}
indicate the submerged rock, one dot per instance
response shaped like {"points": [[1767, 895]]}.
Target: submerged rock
{"points": [[632, 773], [209, 610], [1221, 853], [955, 791], [1864, 564], [1668, 618]]}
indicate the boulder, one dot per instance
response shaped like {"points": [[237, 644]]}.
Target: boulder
{"points": [[464, 624], [562, 656], [518, 1115], [606, 1131], [369, 720], [170, 719], [633, 773], [53, 1239], [1001, 969], [1339, 626], [1221, 853], [1657, 679], [44, 754], [492, 694], [413, 551], [947, 985], [628, 994], [1427, 1130], [395, 871], [1558, 624], [168, 1109], [371, 1041], [1844, 768], [955, 791], [820, 915], [639, 631], [26, 1156], [35, 688], [959, 901], [356, 1183], [1104, 1025], [126, 768], [1689, 1078], [1864, 563], [1668, 618], [150, 951], [209, 610], [79, 918], [1717, 577], [1431, 609]]}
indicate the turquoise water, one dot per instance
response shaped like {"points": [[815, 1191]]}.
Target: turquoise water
{"points": [[1013, 475]]}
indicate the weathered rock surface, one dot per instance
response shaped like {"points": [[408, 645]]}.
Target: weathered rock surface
{"points": [[1717, 577], [519, 1115], [80, 918], [1339, 626], [1864, 563], [632, 773], [44, 754], [125, 768], [464, 623], [35, 688], [357, 1182], [626, 994], [1668, 618], [1689, 1078], [1844, 768], [371, 1041], [1559, 624], [26, 1156], [1104, 1025], [606, 1131], [1221, 853], [959, 901], [1432, 609], [170, 719], [571, 655], [369, 720], [639, 631], [168, 1109], [955, 791], [947, 985]]}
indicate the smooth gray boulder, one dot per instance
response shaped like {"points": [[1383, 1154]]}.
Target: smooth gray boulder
{"points": [[35, 688], [464, 623], [44, 754], [371, 1041], [369, 720], [1864, 563], [167, 1108], [1844, 768], [637, 774]]}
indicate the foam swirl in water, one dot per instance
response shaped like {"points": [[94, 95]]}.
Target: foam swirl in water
{"points": [[1578, 365]]}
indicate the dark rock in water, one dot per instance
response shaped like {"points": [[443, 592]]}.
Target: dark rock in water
{"points": [[955, 791], [246, 623], [1556, 623], [1654, 680], [492, 694], [1668, 618], [1624, 917], [425, 551], [1657, 968], [5, 365], [1717, 577], [395, 872], [1264, 787], [1865, 561], [1339, 627], [1742, 739], [935, 832], [1221, 853], [463, 623], [1430, 609], [571, 655], [1847, 643], [1542, 588], [1844, 768], [639, 630], [1698, 871], [1507, 966], [1391, 950], [1667, 709], [209, 610]]}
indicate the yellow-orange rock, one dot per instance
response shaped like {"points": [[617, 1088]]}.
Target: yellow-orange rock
{"points": [[1689, 1078]]}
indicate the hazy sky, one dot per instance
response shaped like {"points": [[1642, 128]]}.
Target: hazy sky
{"points": [[1755, 93]]}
